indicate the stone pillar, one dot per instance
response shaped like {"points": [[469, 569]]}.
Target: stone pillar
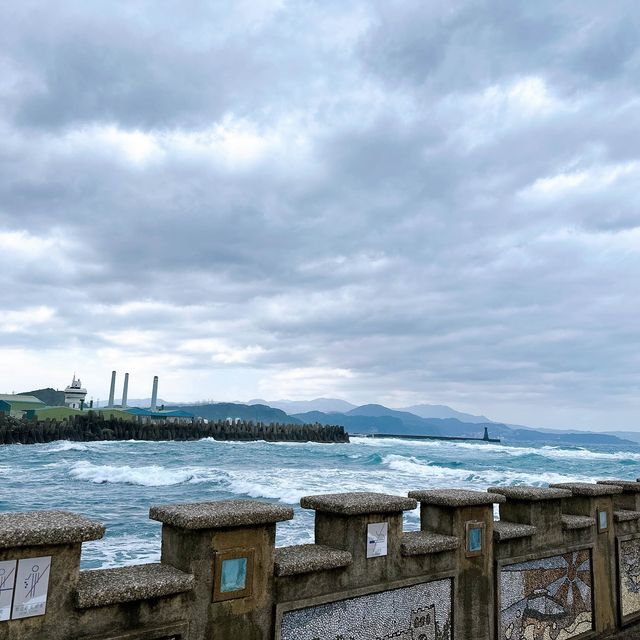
{"points": [[629, 499], [467, 515], [228, 546], [596, 501], [369, 526], [535, 507], [40, 554]]}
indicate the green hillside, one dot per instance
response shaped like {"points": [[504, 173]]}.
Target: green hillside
{"points": [[223, 410]]}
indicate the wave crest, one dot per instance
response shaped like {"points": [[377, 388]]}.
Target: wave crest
{"points": [[151, 476]]}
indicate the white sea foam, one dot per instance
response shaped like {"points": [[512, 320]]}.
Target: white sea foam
{"points": [[289, 485], [65, 445], [151, 476], [118, 551], [436, 474], [546, 451]]}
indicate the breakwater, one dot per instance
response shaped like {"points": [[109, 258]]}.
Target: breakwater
{"points": [[94, 428]]}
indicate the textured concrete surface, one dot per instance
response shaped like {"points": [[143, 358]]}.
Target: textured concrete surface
{"points": [[127, 584], [415, 543], [530, 494], [223, 513], [33, 528], [588, 489], [304, 558], [456, 497], [628, 486], [626, 515], [358, 503], [631, 633], [570, 523], [503, 530]]}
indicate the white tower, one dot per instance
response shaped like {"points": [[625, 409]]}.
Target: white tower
{"points": [[74, 394], [154, 394], [112, 390]]}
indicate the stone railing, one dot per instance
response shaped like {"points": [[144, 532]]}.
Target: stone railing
{"points": [[561, 562]]}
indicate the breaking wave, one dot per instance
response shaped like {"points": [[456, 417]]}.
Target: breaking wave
{"points": [[434, 473], [151, 476], [546, 451], [65, 445]]}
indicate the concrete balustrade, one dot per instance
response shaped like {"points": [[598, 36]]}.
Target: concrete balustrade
{"points": [[567, 555]]}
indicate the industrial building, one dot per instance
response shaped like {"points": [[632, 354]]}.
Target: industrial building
{"points": [[16, 406], [30, 407]]}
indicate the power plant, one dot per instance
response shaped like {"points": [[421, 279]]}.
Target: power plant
{"points": [[125, 393]]}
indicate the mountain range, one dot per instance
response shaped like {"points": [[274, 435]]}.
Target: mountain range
{"points": [[422, 419]]}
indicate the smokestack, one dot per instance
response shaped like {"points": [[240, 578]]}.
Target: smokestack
{"points": [[112, 390], [154, 393], [125, 391]]}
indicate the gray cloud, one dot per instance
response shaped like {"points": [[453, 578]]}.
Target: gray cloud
{"points": [[389, 201]]}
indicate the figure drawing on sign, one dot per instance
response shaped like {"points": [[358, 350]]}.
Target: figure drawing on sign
{"points": [[377, 539], [32, 584], [7, 580]]}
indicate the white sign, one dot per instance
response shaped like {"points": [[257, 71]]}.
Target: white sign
{"points": [[32, 585], [377, 539], [7, 580]]}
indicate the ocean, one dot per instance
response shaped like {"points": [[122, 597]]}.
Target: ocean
{"points": [[117, 482]]}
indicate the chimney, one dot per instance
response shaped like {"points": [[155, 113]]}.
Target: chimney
{"points": [[125, 391], [112, 390], [154, 394]]}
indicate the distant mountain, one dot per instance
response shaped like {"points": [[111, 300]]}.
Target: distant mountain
{"points": [[49, 396], [223, 410], [442, 411], [143, 403], [375, 418], [363, 424], [327, 405]]}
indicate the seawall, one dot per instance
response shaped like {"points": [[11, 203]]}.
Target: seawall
{"points": [[561, 562], [92, 427]]}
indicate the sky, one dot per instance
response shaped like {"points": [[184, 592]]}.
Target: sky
{"points": [[390, 201]]}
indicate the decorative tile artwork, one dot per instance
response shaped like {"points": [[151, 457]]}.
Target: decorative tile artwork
{"points": [[233, 576], [629, 561], [547, 599], [419, 612]]}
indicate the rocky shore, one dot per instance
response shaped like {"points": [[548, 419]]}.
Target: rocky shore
{"points": [[93, 428]]}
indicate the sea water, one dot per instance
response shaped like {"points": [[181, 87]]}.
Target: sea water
{"points": [[117, 482]]}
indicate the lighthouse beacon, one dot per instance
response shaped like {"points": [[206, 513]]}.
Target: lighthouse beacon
{"points": [[74, 394]]}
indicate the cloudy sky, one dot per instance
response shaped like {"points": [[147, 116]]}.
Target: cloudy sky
{"points": [[390, 201]]}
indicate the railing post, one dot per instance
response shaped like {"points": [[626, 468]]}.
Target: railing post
{"points": [[39, 570], [228, 546], [596, 501], [467, 515]]}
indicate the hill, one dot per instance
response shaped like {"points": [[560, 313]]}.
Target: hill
{"points": [[327, 405], [49, 396], [223, 410], [380, 419], [443, 411]]}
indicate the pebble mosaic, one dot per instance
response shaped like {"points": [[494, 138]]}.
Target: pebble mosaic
{"points": [[546, 599], [630, 577], [419, 612]]}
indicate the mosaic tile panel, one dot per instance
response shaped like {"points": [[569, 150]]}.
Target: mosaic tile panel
{"points": [[629, 567], [546, 599], [419, 612]]}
